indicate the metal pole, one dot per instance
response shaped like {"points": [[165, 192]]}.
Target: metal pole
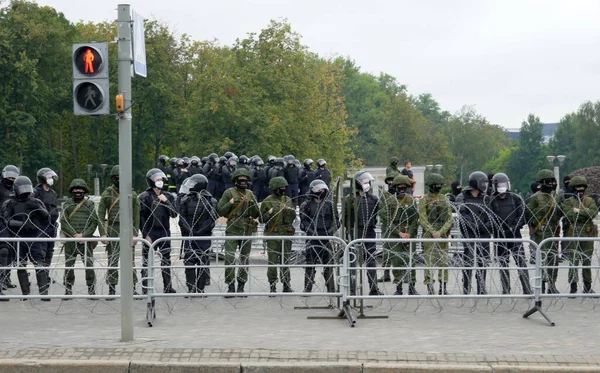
{"points": [[126, 187], [557, 177]]}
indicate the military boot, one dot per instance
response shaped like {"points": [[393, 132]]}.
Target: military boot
{"points": [[190, 279], [552, 288], [287, 288], [240, 289], [430, 289], [42, 281], [230, 289], [587, 288], [24, 282], [111, 291], [92, 291], [375, 291], [399, 290], [273, 289], [412, 290], [386, 276], [573, 289], [2, 299], [68, 291], [443, 288], [309, 279]]}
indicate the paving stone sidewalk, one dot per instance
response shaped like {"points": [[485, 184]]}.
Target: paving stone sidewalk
{"points": [[202, 355]]}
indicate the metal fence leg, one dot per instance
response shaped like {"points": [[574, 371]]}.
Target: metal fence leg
{"points": [[151, 305], [537, 305]]}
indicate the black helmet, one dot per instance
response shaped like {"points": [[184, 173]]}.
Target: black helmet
{"points": [[222, 160], [308, 162], [194, 183], [228, 155], [317, 185], [290, 160], [258, 162], [243, 159], [271, 159], [363, 180], [186, 161], [321, 162], [204, 160], [153, 175], [280, 162], [163, 159], [173, 161], [194, 161], [213, 157], [44, 175], [23, 187], [478, 180], [500, 183], [10, 171], [232, 161], [297, 163]]}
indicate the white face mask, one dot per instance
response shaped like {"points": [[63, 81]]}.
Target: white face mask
{"points": [[366, 187], [159, 184], [50, 181], [501, 190]]}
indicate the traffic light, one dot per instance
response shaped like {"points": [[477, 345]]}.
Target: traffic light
{"points": [[90, 79]]}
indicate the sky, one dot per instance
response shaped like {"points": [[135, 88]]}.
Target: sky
{"points": [[507, 58]]}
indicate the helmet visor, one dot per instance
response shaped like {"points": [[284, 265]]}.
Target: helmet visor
{"points": [[9, 174], [158, 176], [50, 175], [319, 186], [187, 185], [21, 189]]}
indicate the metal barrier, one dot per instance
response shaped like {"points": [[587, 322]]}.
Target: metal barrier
{"points": [[17, 266], [150, 288], [349, 266]]}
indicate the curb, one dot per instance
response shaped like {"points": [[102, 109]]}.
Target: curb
{"points": [[124, 366]]}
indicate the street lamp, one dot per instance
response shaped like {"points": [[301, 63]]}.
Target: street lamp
{"points": [[561, 161], [93, 169]]}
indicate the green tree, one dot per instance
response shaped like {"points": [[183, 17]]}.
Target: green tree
{"points": [[529, 158]]}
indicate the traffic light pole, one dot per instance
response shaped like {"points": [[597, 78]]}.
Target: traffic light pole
{"points": [[125, 178]]}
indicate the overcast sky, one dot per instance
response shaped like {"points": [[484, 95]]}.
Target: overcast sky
{"points": [[508, 58]]}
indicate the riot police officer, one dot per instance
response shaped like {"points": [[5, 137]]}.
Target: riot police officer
{"points": [[195, 166], [475, 222], [318, 218], [509, 217], [259, 179], [291, 173], [197, 216], [322, 172], [156, 209], [44, 192], [26, 216], [360, 219], [227, 170], [9, 174]]}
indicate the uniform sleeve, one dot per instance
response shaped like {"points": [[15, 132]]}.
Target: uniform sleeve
{"points": [[102, 211], [591, 211], [448, 223], [423, 217], [265, 206], [254, 210], [413, 221], [183, 218], [224, 206]]}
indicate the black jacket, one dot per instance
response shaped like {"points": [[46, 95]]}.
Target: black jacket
{"points": [[197, 214], [49, 199], [154, 214], [475, 217], [318, 218]]}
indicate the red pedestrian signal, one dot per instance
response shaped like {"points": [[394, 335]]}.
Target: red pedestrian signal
{"points": [[88, 60]]}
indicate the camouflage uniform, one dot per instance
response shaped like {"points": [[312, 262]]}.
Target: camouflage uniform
{"points": [[108, 212], [400, 215], [79, 217], [435, 215], [278, 222], [240, 222], [581, 225], [543, 216]]}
